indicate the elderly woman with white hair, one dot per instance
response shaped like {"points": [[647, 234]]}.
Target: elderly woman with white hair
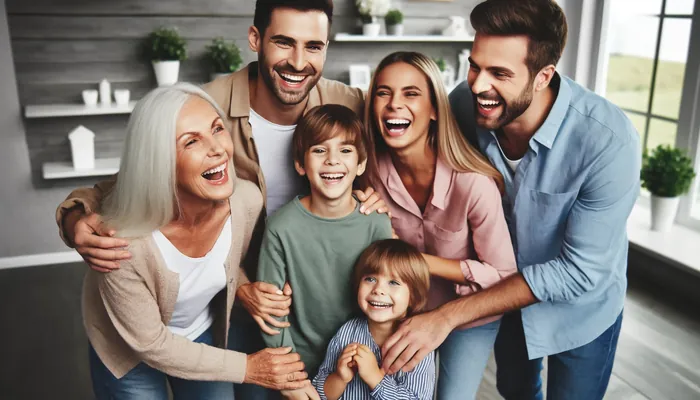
{"points": [[163, 316]]}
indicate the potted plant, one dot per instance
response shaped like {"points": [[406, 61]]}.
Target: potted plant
{"points": [[667, 174], [166, 49], [370, 11], [394, 22], [224, 57]]}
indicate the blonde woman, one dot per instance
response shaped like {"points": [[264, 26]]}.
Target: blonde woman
{"points": [[163, 316], [445, 200]]}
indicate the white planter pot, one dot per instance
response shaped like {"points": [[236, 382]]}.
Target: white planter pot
{"points": [[166, 72], [395, 30], [663, 212], [371, 29]]}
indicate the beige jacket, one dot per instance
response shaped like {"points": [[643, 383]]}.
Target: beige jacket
{"points": [[126, 311], [232, 94]]}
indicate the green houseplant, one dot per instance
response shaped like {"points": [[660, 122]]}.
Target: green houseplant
{"points": [[166, 48], [667, 174], [394, 22], [224, 57]]}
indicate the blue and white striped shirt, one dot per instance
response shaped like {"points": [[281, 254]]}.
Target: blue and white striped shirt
{"points": [[418, 384]]}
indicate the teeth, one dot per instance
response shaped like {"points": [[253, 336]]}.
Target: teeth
{"points": [[488, 102], [215, 169], [397, 121], [379, 304], [294, 78], [332, 176]]}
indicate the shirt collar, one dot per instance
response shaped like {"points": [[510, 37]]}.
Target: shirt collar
{"points": [[392, 181], [547, 133], [240, 92], [441, 184]]}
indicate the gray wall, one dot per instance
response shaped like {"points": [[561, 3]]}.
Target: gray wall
{"points": [[61, 48]]}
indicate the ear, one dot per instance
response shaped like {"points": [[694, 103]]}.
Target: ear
{"points": [[544, 77], [300, 170], [361, 167], [433, 114], [254, 39]]}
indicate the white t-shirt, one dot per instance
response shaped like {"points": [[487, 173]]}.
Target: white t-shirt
{"points": [[512, 164], [200, 280], [274, 144]]}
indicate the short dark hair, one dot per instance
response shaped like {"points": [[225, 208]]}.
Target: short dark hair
{"points": [[542, 21], [401, 260], [264, 8], [325, 122]]}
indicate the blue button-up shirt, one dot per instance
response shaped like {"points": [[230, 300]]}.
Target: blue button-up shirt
{"points": [[566, 206]]}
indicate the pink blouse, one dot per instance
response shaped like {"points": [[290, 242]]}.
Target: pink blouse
{"points": [[463, 220]]}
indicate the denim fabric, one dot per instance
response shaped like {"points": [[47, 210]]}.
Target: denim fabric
{"points": [[144, 382], [244, 336], [463, 358], [582, 373]]}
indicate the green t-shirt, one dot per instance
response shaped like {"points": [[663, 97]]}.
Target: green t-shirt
{"points": [[317, 257]]}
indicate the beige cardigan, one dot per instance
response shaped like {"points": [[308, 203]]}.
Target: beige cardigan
{"points": [[126, 311]]}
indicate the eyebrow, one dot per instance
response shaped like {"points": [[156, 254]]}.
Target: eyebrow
{"points": [[294, 41], [493, 69], [412, 87]]}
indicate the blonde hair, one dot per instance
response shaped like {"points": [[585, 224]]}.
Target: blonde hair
{"points": [[398, 259], [445, 136], [145, 195]]}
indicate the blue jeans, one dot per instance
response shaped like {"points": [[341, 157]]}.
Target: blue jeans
{"points": [[144, 382], [463, 358], [581, 373], [244, 336]]}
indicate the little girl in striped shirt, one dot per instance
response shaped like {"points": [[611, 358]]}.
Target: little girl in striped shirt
{"points": [[391, 280]]}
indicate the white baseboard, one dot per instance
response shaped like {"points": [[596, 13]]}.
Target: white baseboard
{"points": [[36, 260]]}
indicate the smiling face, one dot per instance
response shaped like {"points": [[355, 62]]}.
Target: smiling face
{"points": [[203, 150], [331, 167], [382, 297], [500, 80], [402, 106], [292, 52]]}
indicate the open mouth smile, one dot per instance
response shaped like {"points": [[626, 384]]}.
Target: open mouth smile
{"points": [[487, 106], [332, 177], [292, 79], [216, 174], [379, 305], [396, 126]]}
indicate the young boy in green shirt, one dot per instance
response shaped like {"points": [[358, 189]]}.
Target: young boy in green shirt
{"points": [[313, 241]]}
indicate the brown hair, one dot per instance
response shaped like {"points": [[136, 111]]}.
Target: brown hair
{"points": [[451, 145], [542, 21], [398, 259], [264, 9], [325, 122]]}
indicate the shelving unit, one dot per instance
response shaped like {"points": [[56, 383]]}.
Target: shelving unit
{"points": [[63, 170], [75, 110], [346, 37]]}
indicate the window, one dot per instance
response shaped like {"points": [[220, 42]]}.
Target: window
{"points": [[652, 68]]}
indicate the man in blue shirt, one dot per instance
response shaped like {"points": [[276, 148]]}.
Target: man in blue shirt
{"points": [[571, 163]]}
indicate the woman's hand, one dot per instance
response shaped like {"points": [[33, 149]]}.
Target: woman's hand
{"points": [[93, 240], [263, 301], [367, 366], [276, 369], [371, 202]]}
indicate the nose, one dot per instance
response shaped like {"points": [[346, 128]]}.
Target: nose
{"points": [[332, 158], [378, 289], [396, 102], [297, 59], [216, 149], [481, 83]]}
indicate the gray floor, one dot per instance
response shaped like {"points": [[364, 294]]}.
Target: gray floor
{"points": [[43, 346]]}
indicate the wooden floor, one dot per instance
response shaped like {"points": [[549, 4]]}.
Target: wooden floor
{"points": [[658, 355]]}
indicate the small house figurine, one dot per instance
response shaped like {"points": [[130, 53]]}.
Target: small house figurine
{"points": [[82, 146]]}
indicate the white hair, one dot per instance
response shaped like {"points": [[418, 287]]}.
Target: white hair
{"points": [[145, 195]]}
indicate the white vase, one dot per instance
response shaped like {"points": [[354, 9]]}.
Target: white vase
{"points": [[166, 72], [371, 29], [395, 30], [663, 212]]}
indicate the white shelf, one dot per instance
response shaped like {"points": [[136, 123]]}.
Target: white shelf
{"points": [[346, 37], [71, 110], [63, 170]]}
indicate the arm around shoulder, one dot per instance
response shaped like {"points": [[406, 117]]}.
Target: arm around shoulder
{"points": [[79, 202]]}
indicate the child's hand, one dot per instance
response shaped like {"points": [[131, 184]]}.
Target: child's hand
{"points": [[367, 366], [345, 363]]}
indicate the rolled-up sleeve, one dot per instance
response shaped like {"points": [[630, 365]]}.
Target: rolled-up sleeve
{"points": [[595, 228], [492, 243]]}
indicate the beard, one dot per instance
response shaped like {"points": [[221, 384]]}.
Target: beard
{"points": [[511, 109], [286, 96]]}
